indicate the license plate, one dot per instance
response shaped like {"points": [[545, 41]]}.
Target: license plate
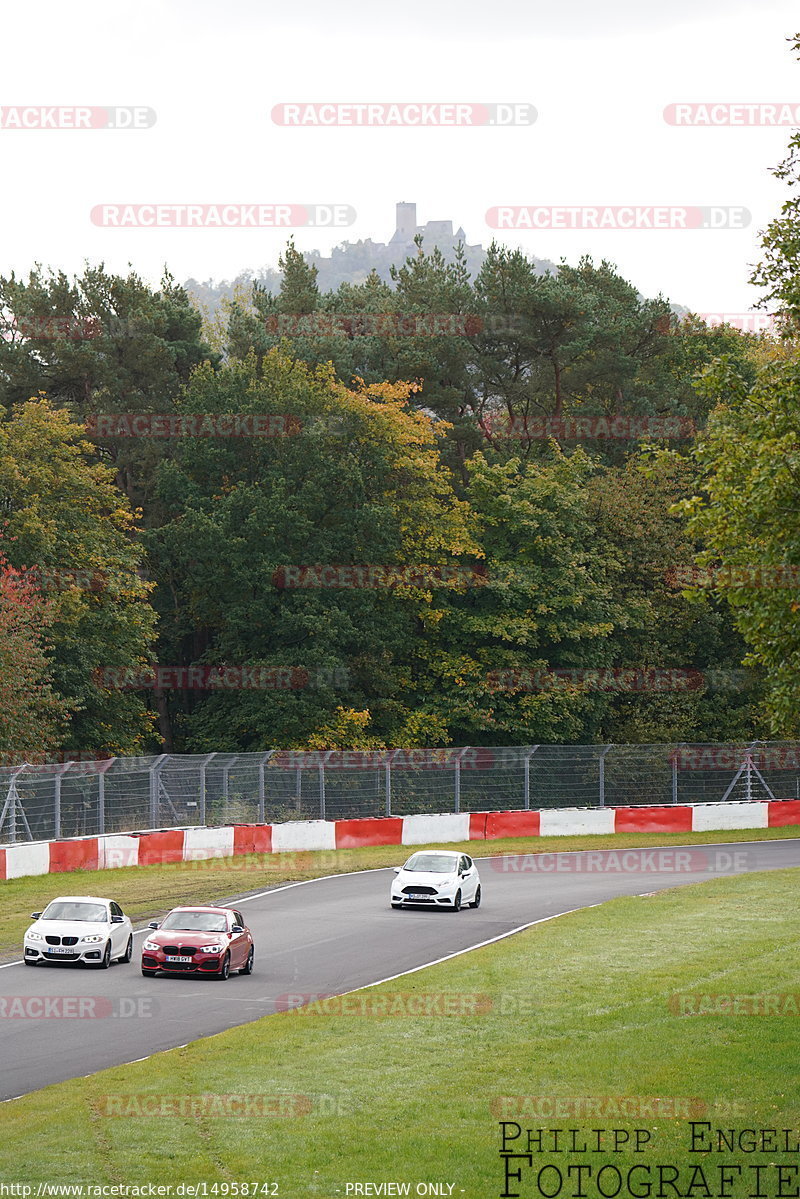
{"points": [[416, 895], [61, 949], [173, 957]]}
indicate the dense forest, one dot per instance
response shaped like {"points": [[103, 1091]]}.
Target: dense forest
{"points": [[509, 509]]}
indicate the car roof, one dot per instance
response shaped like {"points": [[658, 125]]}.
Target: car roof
{"points": [[444, 853], [79, 899]]}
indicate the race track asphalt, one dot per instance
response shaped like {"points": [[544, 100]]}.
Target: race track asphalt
{"points": [[324, 937]]}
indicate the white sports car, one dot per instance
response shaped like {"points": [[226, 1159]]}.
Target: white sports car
{"points": [[437, 878], [79, 928]]}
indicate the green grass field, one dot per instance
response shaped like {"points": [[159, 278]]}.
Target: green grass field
{"points": [[407, 1083]]}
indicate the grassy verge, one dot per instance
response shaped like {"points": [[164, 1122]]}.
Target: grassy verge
{"points": [[146, 892], [581, 1009]]}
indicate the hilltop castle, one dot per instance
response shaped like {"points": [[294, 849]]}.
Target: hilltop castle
{"points": [[351, 262]]}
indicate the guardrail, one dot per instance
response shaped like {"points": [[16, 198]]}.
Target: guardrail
{"points": [[189, 845]]}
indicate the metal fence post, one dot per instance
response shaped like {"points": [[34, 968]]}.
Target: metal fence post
{"points": [[602, 779], [457, 795], [101, 800], [57, 805], [155, 779], [675, 776], [528, 757], [388, 782], [226, 772], [321, 791], [202, 798], [261, 787]]}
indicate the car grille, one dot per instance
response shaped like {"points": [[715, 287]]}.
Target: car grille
{"points": [[187, 950], [61, 940], [62, 957], [419, 890], [187, 965]]}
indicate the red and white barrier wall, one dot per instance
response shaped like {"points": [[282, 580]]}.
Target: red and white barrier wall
{"points": [[190, 844]]}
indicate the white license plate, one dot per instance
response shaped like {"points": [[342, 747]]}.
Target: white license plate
{"points": [[62, 949], [174, 957], [414, 895]]}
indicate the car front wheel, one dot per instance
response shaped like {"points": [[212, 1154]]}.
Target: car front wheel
{"points": [[225, 968], [457, 902], [247, 968], [128, 954], [476, 903], [106, 962]]}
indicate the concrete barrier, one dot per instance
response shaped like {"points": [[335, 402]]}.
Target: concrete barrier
{"points": [[419, 830], [713, 816], [569, 822], [157, 847], [201, 843]]}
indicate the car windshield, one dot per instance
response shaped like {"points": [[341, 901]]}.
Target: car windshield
{"points": [[433, 863], [62, 909], [196, 922]]}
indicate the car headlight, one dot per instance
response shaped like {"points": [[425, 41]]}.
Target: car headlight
{"points": [[211, 948], [34, 937], [152, 946], [92, 937]]}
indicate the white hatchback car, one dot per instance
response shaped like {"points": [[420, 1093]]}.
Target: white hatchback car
{"points": [[437, 878], [79, 928]]}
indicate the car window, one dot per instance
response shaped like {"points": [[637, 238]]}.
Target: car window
{"points": [[116, 910], [468, 862], [435, 863], [198, 922], [240, 919], [61, 909]]}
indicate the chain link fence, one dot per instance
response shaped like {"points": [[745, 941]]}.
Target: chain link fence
{"points": [[74, 799]]}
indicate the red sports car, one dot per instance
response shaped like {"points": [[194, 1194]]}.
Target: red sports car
{"points": [[199, 941]]}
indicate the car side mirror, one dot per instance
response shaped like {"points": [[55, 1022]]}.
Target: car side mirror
{"points": [[117, 919], [153, 924], [237, 928], [397, 869], [35, 915]]}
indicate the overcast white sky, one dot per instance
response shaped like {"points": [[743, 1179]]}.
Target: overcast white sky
{"points": [[599, 75]]}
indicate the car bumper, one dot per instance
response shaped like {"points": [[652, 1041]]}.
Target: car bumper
{"points": [[424, 901], [71, 953], [196, 964]]}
